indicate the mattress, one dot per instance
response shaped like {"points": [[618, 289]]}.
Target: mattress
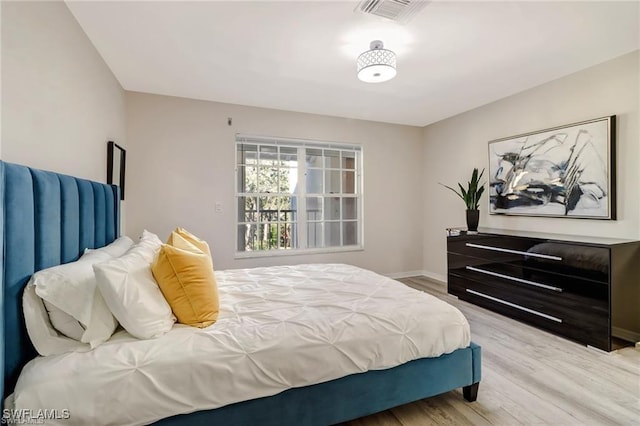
{"points": [[278, 328]]}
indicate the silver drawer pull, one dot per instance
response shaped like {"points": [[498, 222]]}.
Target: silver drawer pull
{"points": [[520, 280], [524, 253], [513, 305]]}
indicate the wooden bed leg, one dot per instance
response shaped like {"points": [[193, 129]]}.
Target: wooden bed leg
{"points": [[470, 392]]}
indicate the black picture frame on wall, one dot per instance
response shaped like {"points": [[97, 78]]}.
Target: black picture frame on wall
{"points": [[119, 166], [566, 171]]}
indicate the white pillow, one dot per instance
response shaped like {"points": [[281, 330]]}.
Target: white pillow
{"points": [[62, 321], [102, 323], [72, 288], [115, 249], [132, 294], [150, 238], [43, 336]]}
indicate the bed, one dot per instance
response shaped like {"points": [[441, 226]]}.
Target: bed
{"points": [[49, 219]]}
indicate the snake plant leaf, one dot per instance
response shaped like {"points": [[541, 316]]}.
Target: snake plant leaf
{"points": [[453, 190], [463, 192], [472, 194]]}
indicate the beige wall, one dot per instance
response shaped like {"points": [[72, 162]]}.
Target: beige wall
{"points": [[456, 145], [181, 162], [60, 101]]}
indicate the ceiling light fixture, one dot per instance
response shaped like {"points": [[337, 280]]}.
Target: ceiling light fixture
{"points": [[377, 64]]}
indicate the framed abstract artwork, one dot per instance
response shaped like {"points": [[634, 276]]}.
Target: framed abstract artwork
{"points": [[566, 171]]}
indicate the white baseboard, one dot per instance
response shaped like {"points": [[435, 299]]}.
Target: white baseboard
{"points": [[407, 274], [628, 335], [442, 279], [431, 275]]}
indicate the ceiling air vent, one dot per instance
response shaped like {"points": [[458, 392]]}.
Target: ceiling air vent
{"points": [[397, 10]]}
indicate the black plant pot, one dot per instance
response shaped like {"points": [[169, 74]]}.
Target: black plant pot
{"points": [[473, 216]]}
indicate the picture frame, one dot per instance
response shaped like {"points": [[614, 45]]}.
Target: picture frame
{"points": [[566, 171], [119, 167]]}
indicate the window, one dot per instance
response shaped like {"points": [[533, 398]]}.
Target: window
{"points": [[296, 195]]}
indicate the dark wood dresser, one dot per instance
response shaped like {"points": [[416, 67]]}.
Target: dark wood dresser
{"points": [[585, 289]]}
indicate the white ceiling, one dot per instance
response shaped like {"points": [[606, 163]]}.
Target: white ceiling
{"points": [[300, 55]]}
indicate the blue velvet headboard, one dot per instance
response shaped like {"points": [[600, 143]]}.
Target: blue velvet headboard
{"points": [[46, 219]]}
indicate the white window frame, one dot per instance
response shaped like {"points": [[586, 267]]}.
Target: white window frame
{"points": [[301, 195]]}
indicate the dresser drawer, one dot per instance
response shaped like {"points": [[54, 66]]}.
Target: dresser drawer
{"points": [[577, 260], [497, 248], [581, 319], [515, 275], [584, 261], [563, 305]]}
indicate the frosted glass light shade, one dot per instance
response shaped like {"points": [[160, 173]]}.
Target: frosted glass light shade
{"points": [[376, 65]]}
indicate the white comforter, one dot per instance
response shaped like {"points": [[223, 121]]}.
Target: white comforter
{"points": [[279, 327]]}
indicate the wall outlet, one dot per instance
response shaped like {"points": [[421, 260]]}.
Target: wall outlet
{"points": [[218, 207]]}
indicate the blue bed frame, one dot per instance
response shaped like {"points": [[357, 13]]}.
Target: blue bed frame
{"points": [[49, 218]]}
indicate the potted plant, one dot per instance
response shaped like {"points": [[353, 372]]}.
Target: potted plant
{"points": [[471, 197]]}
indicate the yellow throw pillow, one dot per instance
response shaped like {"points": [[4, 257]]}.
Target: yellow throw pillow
{"points": [[185, 276], [201, 244]]}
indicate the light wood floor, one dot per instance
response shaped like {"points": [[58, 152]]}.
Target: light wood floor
{"points": [[528, 377]]}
